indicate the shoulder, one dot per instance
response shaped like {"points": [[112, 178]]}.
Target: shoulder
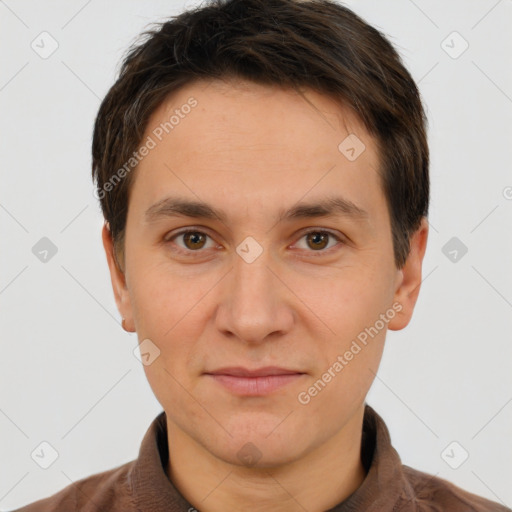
{"points": [[434, 493], [108, 490]]}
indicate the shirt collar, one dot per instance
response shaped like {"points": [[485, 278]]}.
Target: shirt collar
{"points": [[383, 487]]}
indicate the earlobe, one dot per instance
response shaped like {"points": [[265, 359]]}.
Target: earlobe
{"points": [[118, 280], [409, 278]]}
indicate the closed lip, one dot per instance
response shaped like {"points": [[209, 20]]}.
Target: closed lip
{"points": [[239, 371]]}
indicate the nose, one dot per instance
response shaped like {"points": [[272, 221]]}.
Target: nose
{"points": [[255, 304]]}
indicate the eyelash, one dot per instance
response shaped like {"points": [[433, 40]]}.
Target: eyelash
{"points": [[320, 252]]}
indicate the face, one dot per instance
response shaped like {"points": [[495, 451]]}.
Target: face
{"points": [[287, 264]]}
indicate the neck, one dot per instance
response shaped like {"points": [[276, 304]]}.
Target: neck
{"points": [[317, 482]]}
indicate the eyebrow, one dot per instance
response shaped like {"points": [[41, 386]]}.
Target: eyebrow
{"points": [[326, 207]]}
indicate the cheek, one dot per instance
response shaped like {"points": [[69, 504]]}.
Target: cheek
{"points": [[162, 299], [348, 300], [347, 371], [166, 311], [357, 311]]}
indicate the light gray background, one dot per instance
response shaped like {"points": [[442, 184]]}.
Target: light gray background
{"points": [[68, 375]]}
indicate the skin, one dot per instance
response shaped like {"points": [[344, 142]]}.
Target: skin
{"points": [[252, 150]]}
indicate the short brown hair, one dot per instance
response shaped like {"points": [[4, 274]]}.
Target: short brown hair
{"points": [[319, 44]]}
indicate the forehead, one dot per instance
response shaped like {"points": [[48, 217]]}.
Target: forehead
{"points": [[247, 113], [256, 141]]}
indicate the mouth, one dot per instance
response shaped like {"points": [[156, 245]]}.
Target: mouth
{"points": [[258, 382]]}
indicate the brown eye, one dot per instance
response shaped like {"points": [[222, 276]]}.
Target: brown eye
{"points": [[188, 241], [317, 239], [194, 239], [320, 242]]}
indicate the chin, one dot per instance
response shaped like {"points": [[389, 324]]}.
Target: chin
{"points": [[258, 454], [262, 447]]}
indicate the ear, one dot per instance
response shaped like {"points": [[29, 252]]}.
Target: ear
{"points": [[118, 281], [409, 278]]}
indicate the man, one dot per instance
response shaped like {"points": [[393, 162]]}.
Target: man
{"points": [[262, 167]]}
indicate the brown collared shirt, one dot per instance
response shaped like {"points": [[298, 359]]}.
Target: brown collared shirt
{"points": [[143, 486]]}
